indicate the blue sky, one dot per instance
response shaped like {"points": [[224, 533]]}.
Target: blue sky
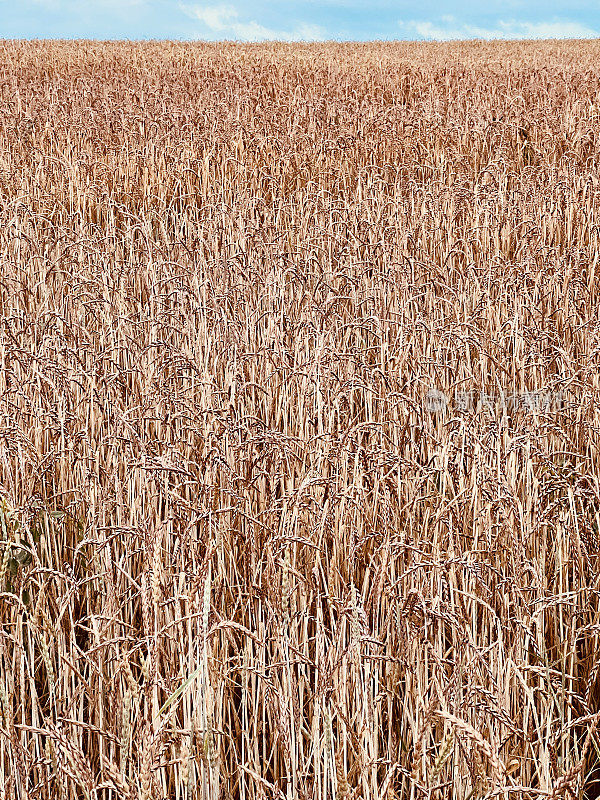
{"points": [[305, 20]]}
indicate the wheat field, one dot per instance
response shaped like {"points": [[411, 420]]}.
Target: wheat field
{"points": [[299, 438]]}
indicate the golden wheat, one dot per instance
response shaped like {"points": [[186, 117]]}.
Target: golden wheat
{"points": [[299, 433]]}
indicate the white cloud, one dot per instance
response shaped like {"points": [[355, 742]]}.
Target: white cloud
{"points": [[223, 22], [449, 28]]}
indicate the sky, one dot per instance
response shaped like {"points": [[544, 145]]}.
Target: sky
{"points": [[306, 20]]}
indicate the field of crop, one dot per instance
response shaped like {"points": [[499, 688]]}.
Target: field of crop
{"points": [[299, 431]]}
